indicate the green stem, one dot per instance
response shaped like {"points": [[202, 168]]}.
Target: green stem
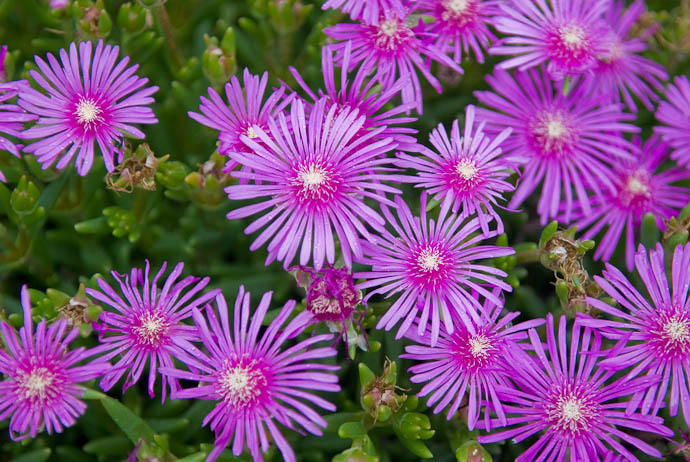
{"points": [[528, 256], [164, 21]]}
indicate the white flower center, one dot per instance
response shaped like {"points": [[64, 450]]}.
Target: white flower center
{"points": [[242, 385], [571, 411], [389, 35], [555, 129], [429, 260], [480, 346], [636, 186], [466, 169], [457, 6], [312, 178], [251, 133], [37, 383], [677, 329], [151, 329], [88, 112], [553, 134], [573, 36]]}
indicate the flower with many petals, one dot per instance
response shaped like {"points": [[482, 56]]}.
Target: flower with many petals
{"points": [[674, 114], [89, 98]]}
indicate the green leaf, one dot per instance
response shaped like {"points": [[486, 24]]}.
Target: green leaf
{"points": [[196, 457], [131, 424], [548, 232], [39, 455], [108, 446]]}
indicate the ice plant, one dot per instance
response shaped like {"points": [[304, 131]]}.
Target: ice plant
{"points": [[461, 25], [369, 11], [257, 380], [569, 140], [432, 268], [245, 108], [575, 405], [145, 327], [40, 390], [623, 72], [566, 35], [640, 189], [473, 359], [391, 49], [657, 333], [467, 172], [313, 177], [674, 114], [12, 118], [88, 98]]}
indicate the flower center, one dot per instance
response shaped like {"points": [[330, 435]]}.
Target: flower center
{"points": [[552, 134], [242, 385], [315, 182], [458, 12], [152, 329], [670, 333], [429, 260], [571, 410], [473, 351], [573, 37], [88, 113], [636, 191], [466, 169], [251, 133], [430, 265], [36, 384], [390, 35], [570, 46], [480, 346]]}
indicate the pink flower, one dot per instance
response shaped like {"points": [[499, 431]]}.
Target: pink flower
{"points": [[674, 114]]}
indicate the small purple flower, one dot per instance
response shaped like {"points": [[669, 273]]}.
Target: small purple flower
{"points": [[472, 359], [146, 326], [674, 114], [369, 11], [468, 171], [87, 99], [623, 71], [255, 379], [245, 108], [41, 386], [640, 189], [566, 35], [573, 402], [569, 141], [657, 334], [58, 4], [313, 176], [12, 118], [461, 25], [432, 266], [392, 49]]}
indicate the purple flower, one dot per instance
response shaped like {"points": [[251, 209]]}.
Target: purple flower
{"points": [[468, 171], [87, 99], [569, 141], [566, 35], [146, 326], [574, 403], [3, 56], [432, 266], [623, 71], [12, 118], [41, 386], [314, 175], [254, 378], [357, 93], [639, 190], [461, 25], [674, 113], [658, 334], [58, 4], [245, 109], [391, 49], [472, 359], [369, 11]]}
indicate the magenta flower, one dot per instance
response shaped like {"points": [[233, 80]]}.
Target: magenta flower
{"points": [[255, 379], [58, 4], [146, 326], [12, 118], [392, 49], [432, 266], [41, 386], [87, 99], [369, 11], [566, 35], [571, 401], [623, 72], [569, 141], [472, 359], [674, 113], [461, 25], [3, 56], [314, 176], [639, 190], [357, 93], [245, 109], [658, 334], [468, 171]]}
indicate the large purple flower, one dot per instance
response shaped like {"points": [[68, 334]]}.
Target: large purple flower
{"points": [[41, 386], [313, 177], [569, 140], [432, 266], [88, 98], [674, 114], [640, 189], [391, 49], [146, 326], [468, 171], [657, 334], [576, 405], [12, 118], [566, 35], [369, 11], [256, 379], [472, 359]]}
